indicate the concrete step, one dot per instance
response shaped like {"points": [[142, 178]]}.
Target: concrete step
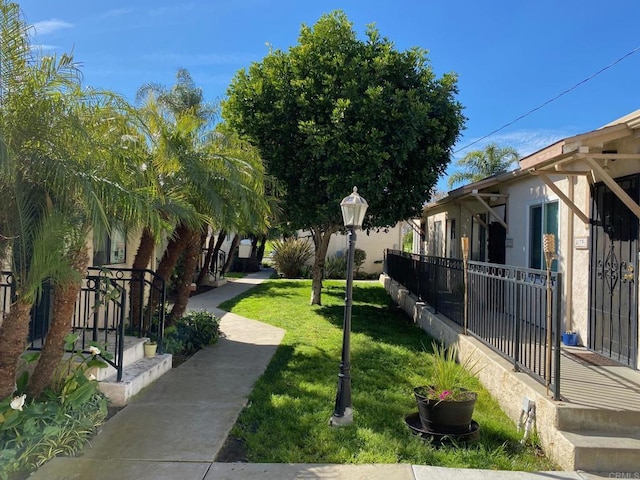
{"points": [[135, 377], [133, 351], [572, 418], [597, 451]]}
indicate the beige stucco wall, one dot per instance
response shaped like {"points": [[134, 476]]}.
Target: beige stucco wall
{"points": [[524, 193], [374, 244]]}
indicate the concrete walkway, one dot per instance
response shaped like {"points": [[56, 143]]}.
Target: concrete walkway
{"points": [[175, 428]]}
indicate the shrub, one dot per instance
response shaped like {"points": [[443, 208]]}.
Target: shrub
{"points": [[359, 256], [335, 267], [290, 255], [32, 433], [192, 332]]}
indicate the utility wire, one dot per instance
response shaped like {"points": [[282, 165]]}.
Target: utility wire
{"points": [[550, 100]]}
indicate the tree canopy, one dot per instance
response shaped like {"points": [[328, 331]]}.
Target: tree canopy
{"points": [[336, 111], [479, 164]]}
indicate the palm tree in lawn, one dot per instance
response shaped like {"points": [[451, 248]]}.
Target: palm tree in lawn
{"points": [[479, 164]]}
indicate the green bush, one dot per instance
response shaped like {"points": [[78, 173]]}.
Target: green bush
{"points": [[32, 433], [192, 332], [359, 256], [335, 267], [290, 256], [43, 430]]}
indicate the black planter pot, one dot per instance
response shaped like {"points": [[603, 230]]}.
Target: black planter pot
{"points": [[445, 416]]}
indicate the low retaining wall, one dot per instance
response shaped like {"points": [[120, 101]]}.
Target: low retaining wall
{"points": [[507, 387]]}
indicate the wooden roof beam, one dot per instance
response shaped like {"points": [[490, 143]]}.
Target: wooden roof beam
{"points": [[567, 201], [491, 211], [613, 185]]}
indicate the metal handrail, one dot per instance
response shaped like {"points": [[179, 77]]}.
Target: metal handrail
{"points": [[506, 305]]}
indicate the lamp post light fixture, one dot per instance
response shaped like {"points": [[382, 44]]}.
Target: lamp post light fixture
{"points": [[353, 208]]}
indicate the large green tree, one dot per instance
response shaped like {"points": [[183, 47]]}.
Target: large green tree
{"points": [[479, 164], [336, 111]]}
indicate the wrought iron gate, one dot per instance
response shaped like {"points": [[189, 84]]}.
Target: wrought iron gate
{"points": [[613, 311]]}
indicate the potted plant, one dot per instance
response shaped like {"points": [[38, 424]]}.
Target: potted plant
{"points": [[444, 405], [150, 347]]}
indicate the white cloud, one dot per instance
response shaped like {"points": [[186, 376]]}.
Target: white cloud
{"points": [[43, 47], [46, 27], [525, 142]]}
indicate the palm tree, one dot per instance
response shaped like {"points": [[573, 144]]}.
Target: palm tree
{"points": [[219, 176], [62, 174], [480, 164], [98, 194]]}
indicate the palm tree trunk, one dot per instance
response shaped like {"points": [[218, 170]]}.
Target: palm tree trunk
{"points": [[207, 260], [13, 340], [216, 251], [64, 300], [232, 251], [192, 252], [261, 246], [168, 262], [136, 293]]}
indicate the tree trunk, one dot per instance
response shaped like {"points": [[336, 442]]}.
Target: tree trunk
{"points": [[216, 252], [232, 251], [192, 252], [207, 260], [169, 259], [13, 340], [64, 301], [261, 246], [321, 243], [140, 262]]}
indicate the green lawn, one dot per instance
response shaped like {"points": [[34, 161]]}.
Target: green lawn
{"points": [[287, 417], [235, 274]]}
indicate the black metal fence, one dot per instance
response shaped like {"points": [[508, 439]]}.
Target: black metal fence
{"points": [[507, 306], [101, 313], [216, 265], [437, 281]]}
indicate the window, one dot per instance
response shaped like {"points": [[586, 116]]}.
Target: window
{"points": [[437, 239], [542, 219], [478, 242], [452, 245], [110, 249]]}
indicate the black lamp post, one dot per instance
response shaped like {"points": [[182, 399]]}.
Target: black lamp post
{"points": [[353, 208]]}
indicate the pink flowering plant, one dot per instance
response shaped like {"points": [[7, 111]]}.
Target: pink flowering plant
{"points": [[448, 376]]}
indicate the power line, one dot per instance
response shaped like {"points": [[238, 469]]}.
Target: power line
{"points": [[550, 100]]}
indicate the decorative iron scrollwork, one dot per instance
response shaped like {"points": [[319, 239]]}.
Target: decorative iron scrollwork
{"points": [[609, 269]]}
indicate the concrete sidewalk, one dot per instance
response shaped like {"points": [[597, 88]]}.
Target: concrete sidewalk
{"points": [[175, 428]]}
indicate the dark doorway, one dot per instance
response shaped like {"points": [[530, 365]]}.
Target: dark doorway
{"points": [[497, 237], [613, 308]]}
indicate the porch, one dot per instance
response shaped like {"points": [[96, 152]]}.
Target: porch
{"points": [[106, 312], [593, 425]]}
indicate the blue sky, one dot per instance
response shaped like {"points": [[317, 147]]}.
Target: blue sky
{"points": [[511, 56]]}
